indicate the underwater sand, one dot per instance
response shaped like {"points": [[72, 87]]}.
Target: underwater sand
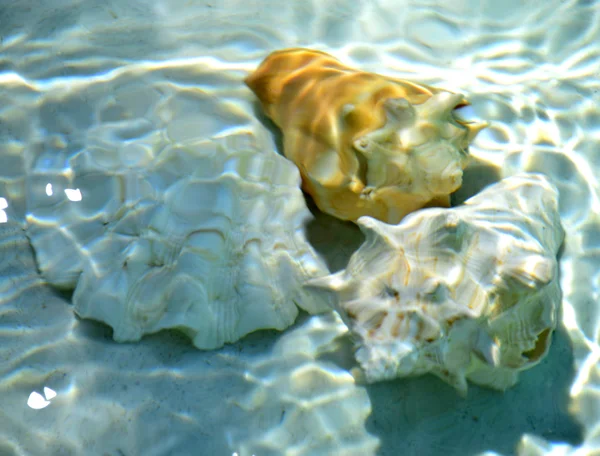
{"points": [[135, 76]]}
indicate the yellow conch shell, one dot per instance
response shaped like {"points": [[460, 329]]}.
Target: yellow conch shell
{"points": [[365, 144]]}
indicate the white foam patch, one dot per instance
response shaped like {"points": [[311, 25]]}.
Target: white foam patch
{"points": [[37, 402]]}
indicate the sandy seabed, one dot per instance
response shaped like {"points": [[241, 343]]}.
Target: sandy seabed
{"points": [[125, 77]]}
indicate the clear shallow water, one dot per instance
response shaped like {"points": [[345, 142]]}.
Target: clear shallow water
{"points": [[84, 80]]}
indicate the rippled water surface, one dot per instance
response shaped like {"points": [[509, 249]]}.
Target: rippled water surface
{"points": [[86, 85]]}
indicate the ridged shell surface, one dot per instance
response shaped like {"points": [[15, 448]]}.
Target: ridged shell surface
{"points": [[365, 144], [464, 293], [215, 249]]}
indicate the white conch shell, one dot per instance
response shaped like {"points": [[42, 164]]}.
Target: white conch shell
{"points": [[465, 293], [216, 251], [365, 144]]}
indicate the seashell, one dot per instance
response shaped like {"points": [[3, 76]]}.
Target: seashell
{"points": [[464, 293], [221, 253], [217, 250], [365, 144]]}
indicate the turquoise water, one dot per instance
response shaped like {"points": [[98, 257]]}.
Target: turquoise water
{"points": [[94, 96]]}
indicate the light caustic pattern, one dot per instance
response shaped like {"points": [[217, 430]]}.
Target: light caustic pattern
{"points": [[83, 85]]}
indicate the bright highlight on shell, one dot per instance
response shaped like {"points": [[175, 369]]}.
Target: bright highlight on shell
{"points": [[365, 144]]}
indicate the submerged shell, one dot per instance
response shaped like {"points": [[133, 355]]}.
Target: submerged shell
{"points": [[216, 250], [365, 144], [464, 293]]}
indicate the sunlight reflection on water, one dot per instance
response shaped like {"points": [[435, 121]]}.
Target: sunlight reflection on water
{"points": [[86, 87]]}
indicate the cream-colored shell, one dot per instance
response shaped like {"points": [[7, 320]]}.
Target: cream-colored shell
{"points": [[365, 144], [216, 250], [464, 293], [219, 254]]}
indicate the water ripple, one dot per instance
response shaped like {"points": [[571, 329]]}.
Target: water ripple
{"points": [[89, 86]]}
